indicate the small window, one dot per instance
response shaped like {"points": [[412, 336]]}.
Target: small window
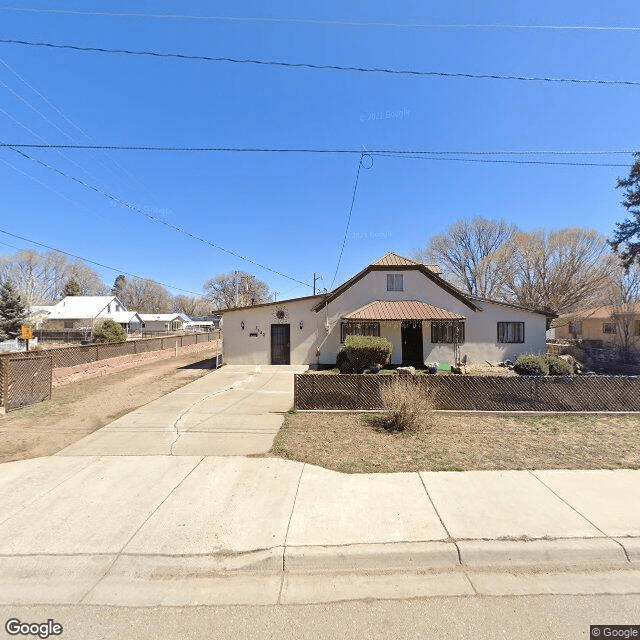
{"points": [[395, 282], [575, 328], [447, 332], [510, 332], [609, 327], [117, 307], [359, 329], [68, 324]]}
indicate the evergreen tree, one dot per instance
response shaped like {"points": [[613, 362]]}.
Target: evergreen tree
{"points": [[118, 286], [627, 232], [12, 311], [72, 288]]}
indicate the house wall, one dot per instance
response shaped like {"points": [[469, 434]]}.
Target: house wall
{"points": [[480, 327], [59, 325], [592, 330], [162, 325]]}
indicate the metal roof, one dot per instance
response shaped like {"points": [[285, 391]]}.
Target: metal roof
{"points": [[401, 310], [392, 259]]}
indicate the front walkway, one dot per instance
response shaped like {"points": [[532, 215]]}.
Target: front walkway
{"points": [[236, 410]]}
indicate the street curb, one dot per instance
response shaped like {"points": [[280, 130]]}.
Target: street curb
{"points": [[522, 553], [490, 554], [374, 557]]}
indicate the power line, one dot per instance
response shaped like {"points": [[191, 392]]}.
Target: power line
{"points": [[484, 160], [318, 67], [329, 151], [346, 231], [320, 22], [99, 264], [136, 209]]}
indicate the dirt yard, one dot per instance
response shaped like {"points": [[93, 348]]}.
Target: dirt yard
{"points": [[358, 443], [78, 408]]}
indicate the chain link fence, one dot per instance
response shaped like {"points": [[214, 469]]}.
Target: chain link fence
{"points": [[479, 393]]}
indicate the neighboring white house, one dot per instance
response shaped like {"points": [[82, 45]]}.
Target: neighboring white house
{"points": [[164, 322], [407, 302], [85, 312], [38, 315]]}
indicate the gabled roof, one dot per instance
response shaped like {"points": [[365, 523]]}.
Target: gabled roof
{"points": [[73, 307], [392, 259], [409, 265], [401, 310], [542, 312]]}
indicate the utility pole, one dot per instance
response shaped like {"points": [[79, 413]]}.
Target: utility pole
{"points": [[314, 282], [235, 278]]}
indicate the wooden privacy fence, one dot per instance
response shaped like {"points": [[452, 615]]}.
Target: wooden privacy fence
{"points": [[24, 380], [480, 393], [84, 354]]}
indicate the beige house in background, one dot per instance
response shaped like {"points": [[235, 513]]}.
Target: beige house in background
{"points": [[607, 324], [163, 322], [424, 317]]}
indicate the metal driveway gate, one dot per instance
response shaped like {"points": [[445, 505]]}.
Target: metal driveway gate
{"points": [[25, 381]]}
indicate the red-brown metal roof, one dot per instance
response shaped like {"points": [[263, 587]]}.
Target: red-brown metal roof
{"points": [[392, 259], [401, 310]]}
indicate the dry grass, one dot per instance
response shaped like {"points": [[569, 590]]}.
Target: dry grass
{"points": [[360, 443], [408, 406]]}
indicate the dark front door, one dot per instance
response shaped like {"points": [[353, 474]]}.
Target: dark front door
{"points": [[411, 334], [280, 344]]}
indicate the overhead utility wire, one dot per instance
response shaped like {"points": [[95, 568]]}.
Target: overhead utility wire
{"points": [[353, 199], [335, 150], [99, 264], [485, 160], [317, 67], [319, 22], [131, 207]]}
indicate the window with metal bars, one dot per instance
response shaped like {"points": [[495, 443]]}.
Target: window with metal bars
{"points": [[510, 332], [359, 329], [448, 332]]}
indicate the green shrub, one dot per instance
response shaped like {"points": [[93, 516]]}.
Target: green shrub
{"points": [[558, 366], [530, 365], [365, 351], [109, 331], [343, 363]]}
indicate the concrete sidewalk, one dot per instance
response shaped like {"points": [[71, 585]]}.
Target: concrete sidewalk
{"points": [[236, 410], [153, 530]]}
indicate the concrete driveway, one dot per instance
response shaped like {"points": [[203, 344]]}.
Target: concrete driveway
{"points": [[236, 410]]}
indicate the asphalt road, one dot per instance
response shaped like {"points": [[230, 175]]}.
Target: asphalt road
{"points": [[521, 618]]}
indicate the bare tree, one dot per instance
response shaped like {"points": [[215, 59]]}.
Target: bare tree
{"points": [[192, 305], [558, 270], [471, 254], [624, 296], [236, 289], [145, 296], [40, 278]]}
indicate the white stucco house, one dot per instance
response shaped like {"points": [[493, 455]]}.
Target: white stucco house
{"points": [[85, 312], [425, 318]]}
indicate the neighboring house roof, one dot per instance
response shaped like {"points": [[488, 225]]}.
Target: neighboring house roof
{"points": [[604, 312], [125, 317], [400, 264], [401, 310], [163, 317], [73, 307]]}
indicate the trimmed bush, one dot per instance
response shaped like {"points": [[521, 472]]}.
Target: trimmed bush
{"points": [[408, 405], [109, 331], [558, 366], [530, 365], [363, 352], [343, 363]]}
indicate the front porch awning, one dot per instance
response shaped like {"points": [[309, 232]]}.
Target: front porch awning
{"points": [[400, 310]]}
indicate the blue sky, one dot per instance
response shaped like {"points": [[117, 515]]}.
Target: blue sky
{"points": [[289, 211]]}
